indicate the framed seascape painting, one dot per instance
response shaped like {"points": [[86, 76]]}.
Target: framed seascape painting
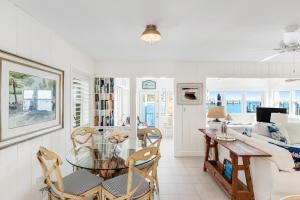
{"points": [[189, 93], [31, 99]]}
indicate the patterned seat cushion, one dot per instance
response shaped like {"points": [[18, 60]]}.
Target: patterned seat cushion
{"points": [[80, 182], [118, 186], [145, 165]]}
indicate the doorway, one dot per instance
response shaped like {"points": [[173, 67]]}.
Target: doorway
{"points": [[148, 112], [155, 108]]}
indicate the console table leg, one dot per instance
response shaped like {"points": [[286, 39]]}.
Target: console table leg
{"points": [[246, 163], [234, 160], [215, 144], [208, 139]]}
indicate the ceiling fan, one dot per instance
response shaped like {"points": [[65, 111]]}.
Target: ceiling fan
{"points": [[292, 80], [290, 42]]}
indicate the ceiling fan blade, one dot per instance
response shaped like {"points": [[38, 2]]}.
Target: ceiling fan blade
{"points": [[271, 57], [292, 80]]}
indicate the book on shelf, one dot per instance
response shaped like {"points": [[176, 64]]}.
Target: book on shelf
{"points": [[104, 101]]}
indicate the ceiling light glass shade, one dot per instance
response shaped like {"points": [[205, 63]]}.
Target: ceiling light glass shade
{"points": [[151, 34], [291, 38]]}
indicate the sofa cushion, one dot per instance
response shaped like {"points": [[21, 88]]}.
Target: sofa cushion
{"points": [[293, 130], [295, 152], [280, 156], [279, 118]]}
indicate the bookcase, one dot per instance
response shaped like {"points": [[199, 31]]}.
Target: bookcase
{"points": [[104, 101]]}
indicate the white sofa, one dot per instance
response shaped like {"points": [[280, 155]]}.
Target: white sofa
{"points": [[274, 177]]}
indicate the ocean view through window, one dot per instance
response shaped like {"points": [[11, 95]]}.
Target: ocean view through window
{"points": [[284, 100], [233, 102], [238, 101], [212, 99], [253, 100], [297, 102]]}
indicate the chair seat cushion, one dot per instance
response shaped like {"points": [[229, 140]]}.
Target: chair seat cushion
{"points": [[80, 182], [118, 186], [146, 165]]}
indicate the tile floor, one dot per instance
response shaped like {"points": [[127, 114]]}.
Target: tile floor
{"points": [[184, 179]]}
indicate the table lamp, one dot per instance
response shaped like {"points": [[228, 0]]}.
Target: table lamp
{"points": [[216, 112], [228, 118]]}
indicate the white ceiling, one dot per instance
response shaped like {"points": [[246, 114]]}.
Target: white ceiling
{"points": [[192, 30]]}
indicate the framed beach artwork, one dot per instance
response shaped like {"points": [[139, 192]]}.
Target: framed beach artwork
{"points": [[189, 93], [31, 99]]}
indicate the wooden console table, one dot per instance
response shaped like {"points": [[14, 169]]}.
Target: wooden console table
{"points": [[237, 190]]}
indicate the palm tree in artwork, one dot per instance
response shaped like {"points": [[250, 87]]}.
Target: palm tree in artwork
{"points": [[14, 84], [17, 81]]}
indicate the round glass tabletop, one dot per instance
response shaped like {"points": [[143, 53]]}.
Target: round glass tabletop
{"points": [[103, 155]]}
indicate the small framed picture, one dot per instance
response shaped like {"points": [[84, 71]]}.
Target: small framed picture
{"points": [[189, 93], [149, 84]]}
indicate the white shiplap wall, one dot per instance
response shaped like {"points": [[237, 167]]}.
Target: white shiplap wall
{"points": [[21, 34], [188, 141]]}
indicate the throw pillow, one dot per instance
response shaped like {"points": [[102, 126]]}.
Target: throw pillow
{"points": [[295, 151], [293, 130], [261, 128], [276, 134]]}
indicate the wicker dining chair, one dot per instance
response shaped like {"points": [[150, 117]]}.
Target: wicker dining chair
{"points": [[136, 184], [78, 185], [148, 133], [83, 136]]}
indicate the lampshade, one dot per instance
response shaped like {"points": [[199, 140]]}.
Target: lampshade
{"points": [[151, 34], [216, 112], [228, 118]]}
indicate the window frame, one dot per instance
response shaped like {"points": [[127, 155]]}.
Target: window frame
{"points": [[243, 99], [83, 78], [292, 100], [262, 96], [242, 103]]}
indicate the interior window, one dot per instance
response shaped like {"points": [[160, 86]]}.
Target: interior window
{"points": [[253, 100], [284, 99], [233, 102], [297, 102], [214, 98]]}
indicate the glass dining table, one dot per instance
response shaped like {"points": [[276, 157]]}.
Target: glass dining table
{"points": [[104, 157]]}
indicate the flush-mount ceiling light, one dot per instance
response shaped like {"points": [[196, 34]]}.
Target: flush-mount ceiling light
{"points": [[151, 34]]}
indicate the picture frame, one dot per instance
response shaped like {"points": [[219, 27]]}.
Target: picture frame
{"points": [[189, 93], [149, 85], [32, 99]]}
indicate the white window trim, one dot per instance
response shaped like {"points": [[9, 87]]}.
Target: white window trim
{"points": [[243, 100], [292, 99], [84, 77]]}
